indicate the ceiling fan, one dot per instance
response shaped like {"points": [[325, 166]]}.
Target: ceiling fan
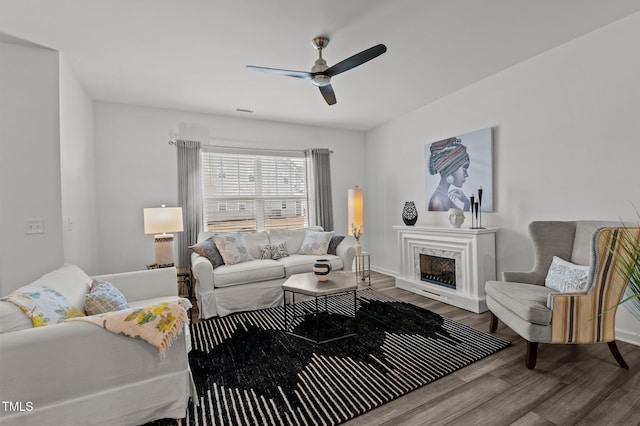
{"points": [[320, 74]]}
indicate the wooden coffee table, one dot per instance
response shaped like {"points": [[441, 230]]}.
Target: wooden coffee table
{"points": [[340, 284]]}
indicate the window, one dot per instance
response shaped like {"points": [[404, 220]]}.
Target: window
{"points": [[257, 191]]}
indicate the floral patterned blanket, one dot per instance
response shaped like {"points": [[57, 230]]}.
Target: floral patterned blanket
{"points": [[158, 324]]}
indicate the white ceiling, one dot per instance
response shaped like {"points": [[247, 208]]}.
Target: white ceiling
{"points": [[190, 55]]}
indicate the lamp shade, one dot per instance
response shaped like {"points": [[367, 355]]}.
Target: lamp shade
{"points": [[162, 219], [355, 209]]}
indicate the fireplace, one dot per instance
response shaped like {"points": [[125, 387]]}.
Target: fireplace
{"points": [[438, 270], [450, 265]]}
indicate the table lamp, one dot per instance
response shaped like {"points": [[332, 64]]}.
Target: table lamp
{"points": [[159, 221]]}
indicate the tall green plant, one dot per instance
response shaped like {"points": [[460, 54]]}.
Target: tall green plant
{"points": [[628, 260]]}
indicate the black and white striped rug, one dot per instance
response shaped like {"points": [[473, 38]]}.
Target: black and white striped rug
{"points": [[249, 372]]}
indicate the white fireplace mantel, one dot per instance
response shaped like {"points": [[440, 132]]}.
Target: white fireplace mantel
{"points": [[475, 262]]}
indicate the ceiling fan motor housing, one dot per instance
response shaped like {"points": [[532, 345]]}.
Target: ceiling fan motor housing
{"points": [[320, 79]]}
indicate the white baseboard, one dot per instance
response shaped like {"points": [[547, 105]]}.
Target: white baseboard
{"points": [[384, 271], [628, 336]]}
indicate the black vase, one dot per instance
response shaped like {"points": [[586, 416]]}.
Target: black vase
{"points": [[409, 213]]}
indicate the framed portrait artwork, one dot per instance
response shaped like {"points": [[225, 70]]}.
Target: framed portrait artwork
{"points": [[456, 167]]}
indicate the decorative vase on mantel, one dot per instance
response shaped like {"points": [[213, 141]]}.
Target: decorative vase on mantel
{"points": [[409, 213]]}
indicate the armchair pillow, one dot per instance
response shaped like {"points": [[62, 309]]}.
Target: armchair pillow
{"points": [[567, 277], [316, 243], [103, 298], [208, 249], [233, 248]]}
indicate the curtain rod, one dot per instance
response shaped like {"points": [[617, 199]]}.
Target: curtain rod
{"points": [[175, 142]]}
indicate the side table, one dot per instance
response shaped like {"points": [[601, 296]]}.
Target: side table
{"points": [[363, 267], [183, 277]]}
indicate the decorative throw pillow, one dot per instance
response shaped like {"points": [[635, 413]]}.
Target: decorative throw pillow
{"points": [[567, 277], [316, 243], [208, 249], [103, 298], [334, 243], [43, 305], [233, 248], [274, 251]]}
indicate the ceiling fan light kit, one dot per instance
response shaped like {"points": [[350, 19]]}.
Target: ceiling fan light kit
{"points": [[321, 74]]}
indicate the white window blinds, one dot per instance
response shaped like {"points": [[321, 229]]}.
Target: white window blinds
{"points": [[244, 192]]}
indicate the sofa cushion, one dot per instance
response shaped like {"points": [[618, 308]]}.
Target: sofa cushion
{"points": [[247, 272], [233, 248], [274, 251], [293, 237], [316, 243], [208, 249], [302, 263], [254, 239], [68, 280], [527, 301], [104, 297], [567, 277], [153, 301]]}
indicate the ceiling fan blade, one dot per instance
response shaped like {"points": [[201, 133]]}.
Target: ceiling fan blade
{"points": [[297, 74], [357, 59], [328, 94]]}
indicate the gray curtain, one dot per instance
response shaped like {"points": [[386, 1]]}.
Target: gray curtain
{"points": [[189, 197], [320, 165]]}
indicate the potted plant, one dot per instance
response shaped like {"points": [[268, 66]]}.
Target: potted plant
{"points": [[628, 261]]}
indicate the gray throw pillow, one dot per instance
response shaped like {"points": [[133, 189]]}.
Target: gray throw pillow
{"points": [[104, 297], [208, 249], [334, 243]]}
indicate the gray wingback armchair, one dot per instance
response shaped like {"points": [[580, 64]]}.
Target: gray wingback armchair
{"points": [[541, 315]]}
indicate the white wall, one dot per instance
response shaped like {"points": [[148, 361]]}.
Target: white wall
{"points": [[137, 168], [566, 126], [29, 163], [78, 181]]}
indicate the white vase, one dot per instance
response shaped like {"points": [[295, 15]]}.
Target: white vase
{"points": [[358, 248]]}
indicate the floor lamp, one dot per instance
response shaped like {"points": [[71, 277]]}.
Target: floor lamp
{"points": [[355, 208], [159, 221]]}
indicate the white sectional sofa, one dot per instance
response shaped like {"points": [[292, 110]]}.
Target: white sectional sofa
{"points": [[75, 373], [257, 284]]}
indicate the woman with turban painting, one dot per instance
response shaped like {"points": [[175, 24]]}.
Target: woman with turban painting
{"points": [[449, 158]]}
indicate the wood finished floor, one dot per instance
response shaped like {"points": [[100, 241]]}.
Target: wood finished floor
{"points": [[571, 384]]}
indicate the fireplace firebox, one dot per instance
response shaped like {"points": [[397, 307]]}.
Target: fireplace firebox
{"points": [[438, 270]]}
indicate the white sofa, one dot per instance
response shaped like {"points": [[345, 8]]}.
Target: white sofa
{"points": [[257, 284], [75, 373]]}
